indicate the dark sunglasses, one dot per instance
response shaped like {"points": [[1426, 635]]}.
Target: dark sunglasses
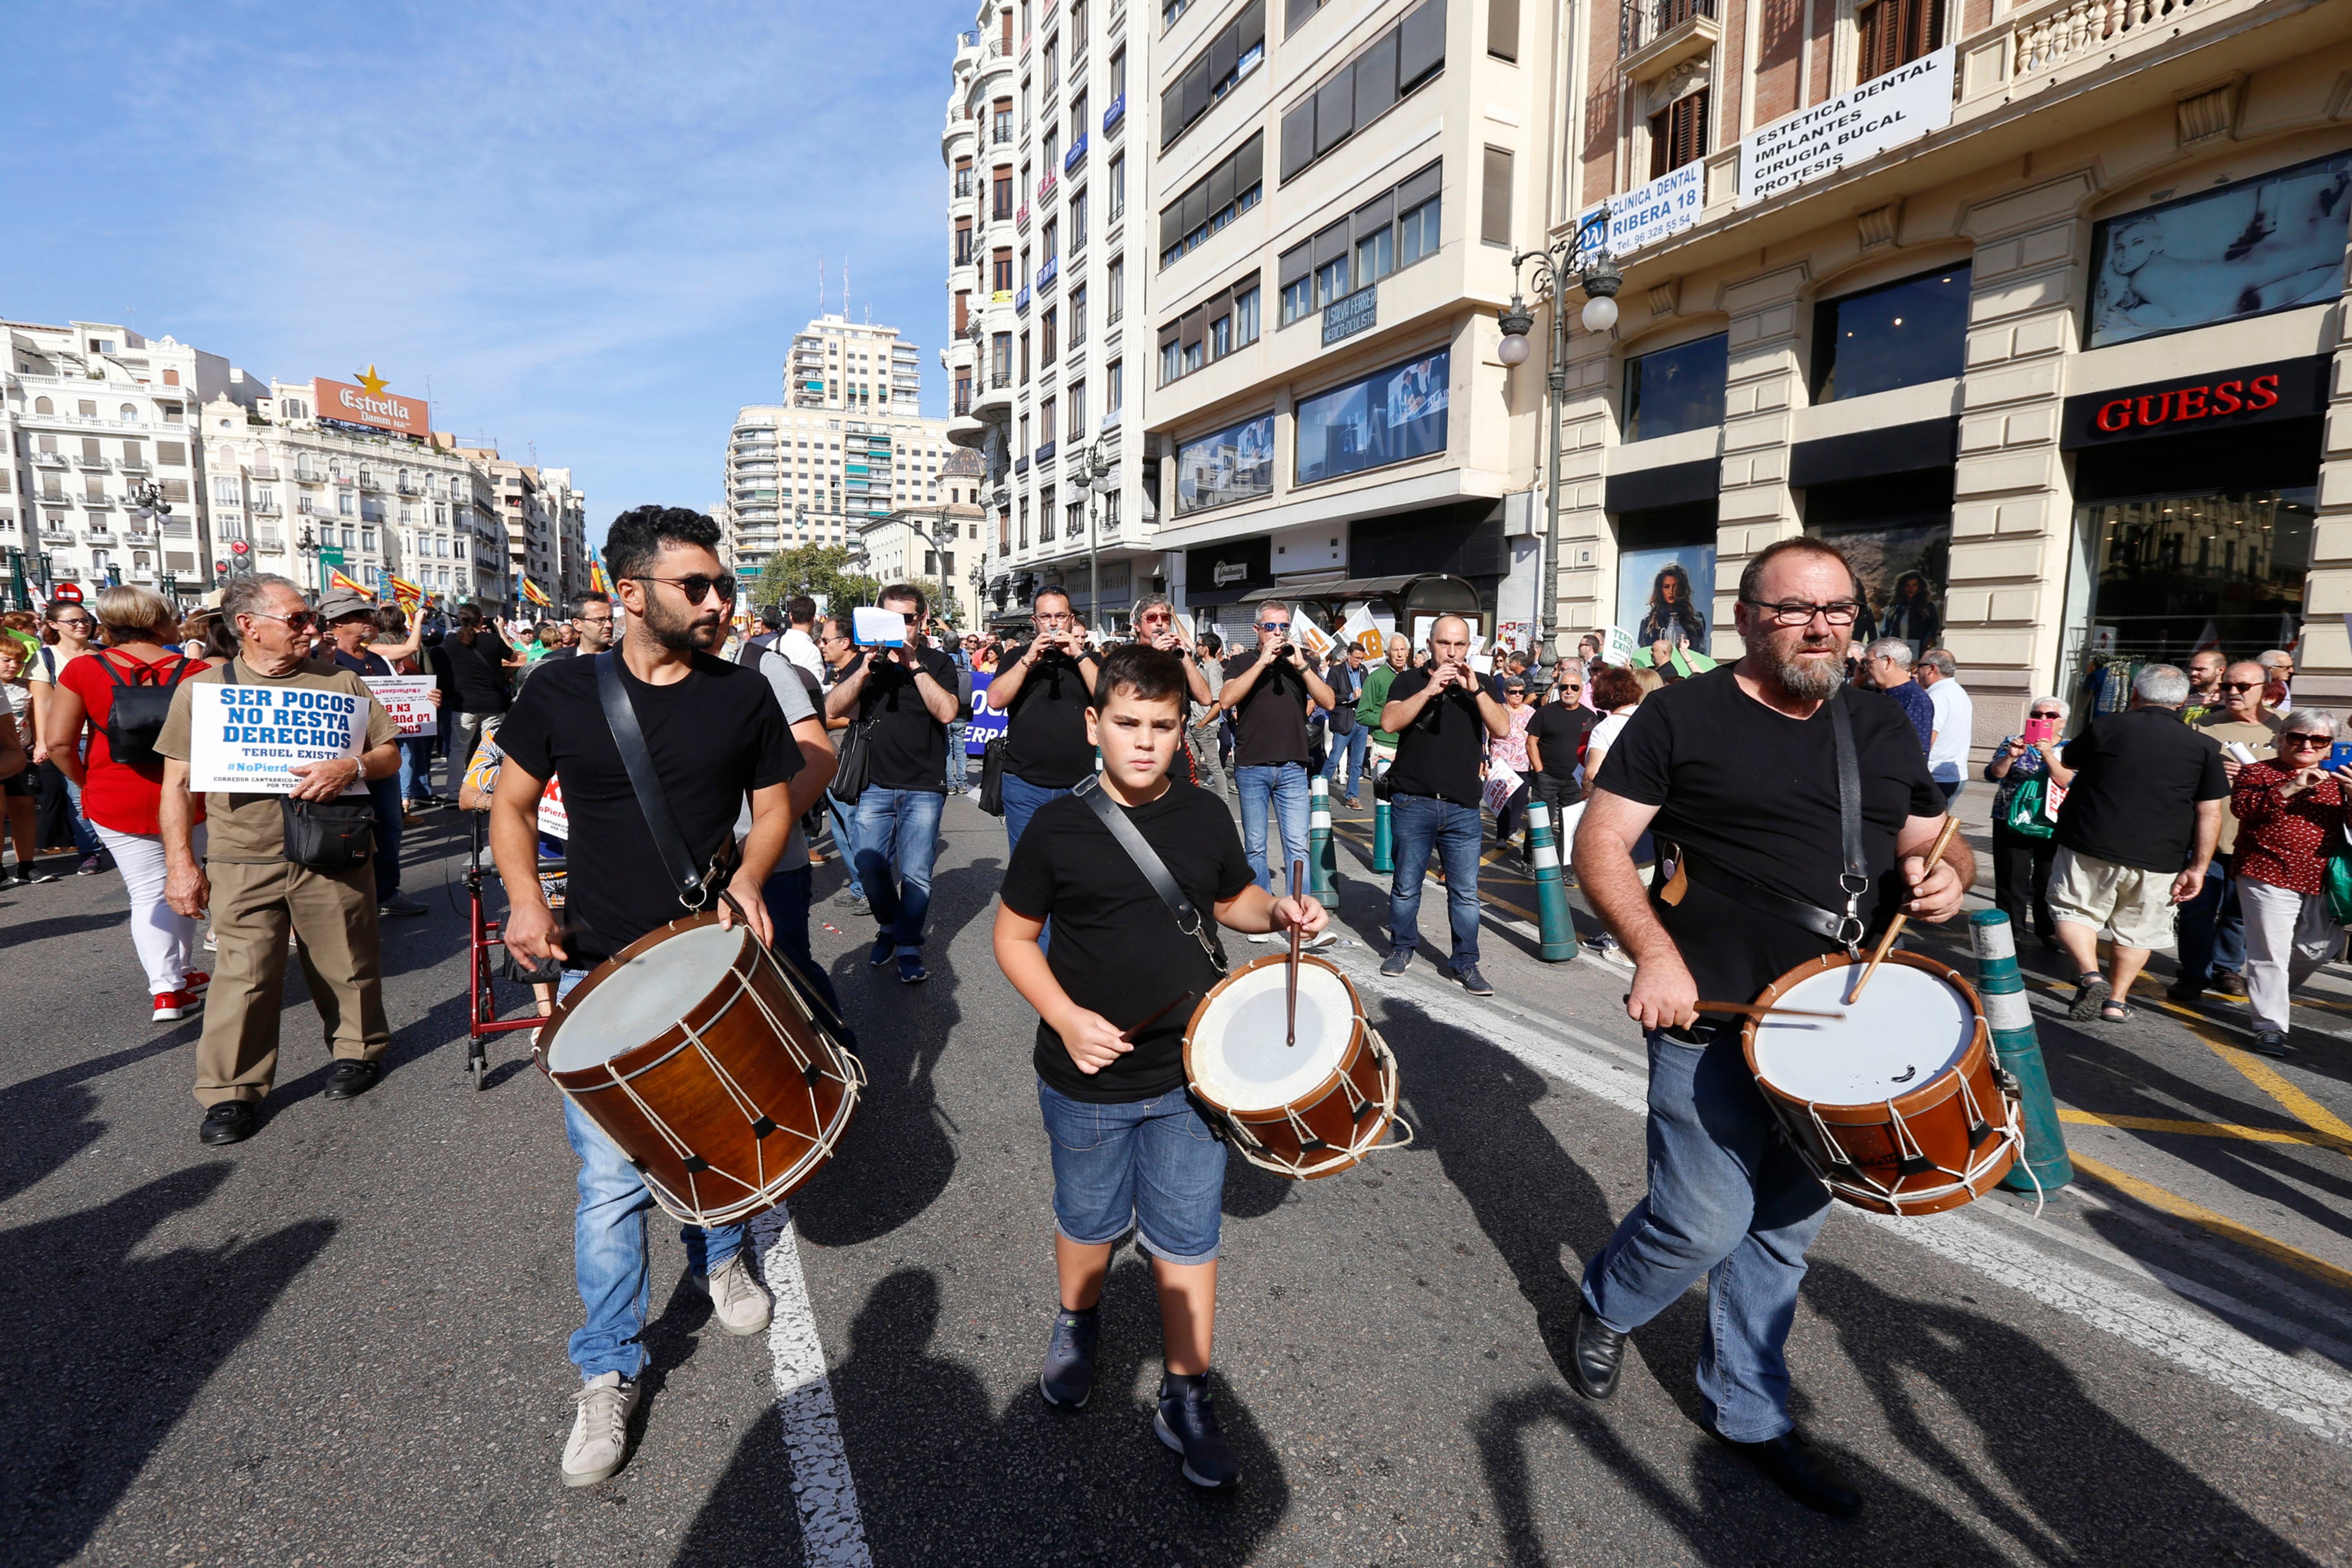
{"points": [[2241, 685], [2306, 740], [698, 587]]}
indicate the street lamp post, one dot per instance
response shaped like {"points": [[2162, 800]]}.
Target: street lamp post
{"points": [[1097, 472], [307, 546], [1581, 259], [147, 501]]}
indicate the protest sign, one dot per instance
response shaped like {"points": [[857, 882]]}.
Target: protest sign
{"points": [[408, 699], [248, 739], [553, 820], [1617, 646]]}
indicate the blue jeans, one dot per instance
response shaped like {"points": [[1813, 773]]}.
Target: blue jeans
{"points": [[1729, 1199], [384, 794], [608, 1244], [1022, 800], [1284, 786], [788, 895], [416, 768], [1352, 747], [2212, 929], [897, 832], [957, 779], [1416, 823], [1148, 1164], [845, 838]]}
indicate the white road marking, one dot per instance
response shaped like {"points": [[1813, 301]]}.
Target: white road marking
{"points": [[2316, 1398], [832, 1532]]}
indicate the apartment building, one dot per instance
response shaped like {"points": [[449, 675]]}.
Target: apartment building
{"points": [[796, 475], [305, 477], [1336, 196], [89, 413], [567, 511], [2037, 310], [1045, 280], [853, 367], [932, 546]]}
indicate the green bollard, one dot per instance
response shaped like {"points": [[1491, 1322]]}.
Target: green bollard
{"points": [[1322, 857], [2014, 1043], [1558, 927], [1383, 842]]}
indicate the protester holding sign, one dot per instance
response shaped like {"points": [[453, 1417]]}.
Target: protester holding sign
{"points": [[121, 694], [323, 734], [350, 622]]}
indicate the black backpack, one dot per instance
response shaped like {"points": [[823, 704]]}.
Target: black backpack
{"points": [[134, 719]]}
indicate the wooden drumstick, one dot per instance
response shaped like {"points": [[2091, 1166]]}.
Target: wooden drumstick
{"points": [[1129, 1034], [1895, 927], [1297, 875], [1752, 1009]]}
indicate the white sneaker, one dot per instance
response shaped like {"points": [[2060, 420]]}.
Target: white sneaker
{"points": [[1263, 937], [740, 1303], [600, 1432], [1322, 939]]}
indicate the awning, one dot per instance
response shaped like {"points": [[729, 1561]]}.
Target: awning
{"points": [[1345, 588]]}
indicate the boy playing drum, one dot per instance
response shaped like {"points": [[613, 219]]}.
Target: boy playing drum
{"points": [[1129, 1148]]}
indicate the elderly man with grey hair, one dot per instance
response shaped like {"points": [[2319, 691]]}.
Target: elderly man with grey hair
{"points": [[1956, 720], [2134, 837], [1887, 665]]}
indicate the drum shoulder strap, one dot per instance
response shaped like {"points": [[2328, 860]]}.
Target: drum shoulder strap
{"points": [[695, 885], [1155, 870]]}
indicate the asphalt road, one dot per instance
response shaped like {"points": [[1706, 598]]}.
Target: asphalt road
{"points": [[343, 1341]]}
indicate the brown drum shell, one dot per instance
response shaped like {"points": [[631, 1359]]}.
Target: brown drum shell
{"points": [[1326, 1109], [1935, 1112], [747, 1170]]}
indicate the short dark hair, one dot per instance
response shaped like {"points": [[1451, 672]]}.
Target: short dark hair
{"points": [[1050, 591], [1145, 673], [900, 591], [1212, 642], [590, 598], [800, 607], [1801, 544], [635, 539], [772, 616]]}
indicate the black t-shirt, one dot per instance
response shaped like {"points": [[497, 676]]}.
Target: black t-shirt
{"points": [[713, 737], [909, 748], [1752, 793], [477, 673], [1045, 740], [2139, 775], [1270, 723], [1117, 949], [1438, 754], [1559, 729]]}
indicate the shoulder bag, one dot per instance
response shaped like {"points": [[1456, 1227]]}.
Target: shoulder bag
{"points": [[2029, 816], [134, 719], [698, 883], [1189, 919], [991, 773]]}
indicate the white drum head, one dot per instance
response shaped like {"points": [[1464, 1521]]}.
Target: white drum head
{"points": [[1239, 1059], [1909, 1028], [644, 998]]}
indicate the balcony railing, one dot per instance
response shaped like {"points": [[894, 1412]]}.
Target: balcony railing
{"points": [[1044, 453], [999, 379], [1641, 23], [1046, 187], [1021, 299], [1047, 274], [1076, 154], [1115, 113], [50, 460], [1021, 217], [89, 464]]}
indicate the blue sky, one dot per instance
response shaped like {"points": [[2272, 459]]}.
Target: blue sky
{"points": [[593, 228]]}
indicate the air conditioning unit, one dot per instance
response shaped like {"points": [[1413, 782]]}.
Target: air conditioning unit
{"points": [[1520, 514]]}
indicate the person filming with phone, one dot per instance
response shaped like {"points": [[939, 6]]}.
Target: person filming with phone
{"points": [[1266, 691], [1442, 718], [1045, 688]]}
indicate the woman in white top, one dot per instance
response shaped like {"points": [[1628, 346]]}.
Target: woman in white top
{"points": [[1616, 690]]}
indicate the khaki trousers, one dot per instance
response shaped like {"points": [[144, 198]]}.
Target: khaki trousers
{"points": [[334, 914]]}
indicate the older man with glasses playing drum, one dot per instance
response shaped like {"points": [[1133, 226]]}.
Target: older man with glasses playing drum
{"points": [[1785, 857]]}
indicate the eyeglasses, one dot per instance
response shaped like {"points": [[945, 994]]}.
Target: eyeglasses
{"points": [[1791, 613], [593, 620], [698, 587], [2241, 685], [2044, 713], [2307, 740], [295, 622], [1274, 625], [81, 622]]}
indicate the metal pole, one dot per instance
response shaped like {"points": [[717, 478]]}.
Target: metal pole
{"points": [[1094, 502], [1556, 382]]}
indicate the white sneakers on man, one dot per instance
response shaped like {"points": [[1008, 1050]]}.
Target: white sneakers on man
{"points": [[739, 1301], [600, 1432]]}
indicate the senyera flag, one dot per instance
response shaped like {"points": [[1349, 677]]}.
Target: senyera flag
{"points": [[335, 579], [536, 595], [405, 593], [596, 578]]}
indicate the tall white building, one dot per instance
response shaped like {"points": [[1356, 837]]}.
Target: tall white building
{"points": [[1044, 285], [88, 412]]}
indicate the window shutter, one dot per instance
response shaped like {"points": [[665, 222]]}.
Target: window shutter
{"points": [[1503, 29], [1332, 244], [1494, 198], [1249, 163], [1419, 188], [1252, 25], [1220, 187], [90, 450], [1224, 50], [1297, 263], [1196, 208], [1422, 48], [172, 452], [1375, 216], [131, 451], [1171, 113], [1376, 79], [1171, 225], [1298, 138], [1191, 325], [1196, 90], [1335, 111]]}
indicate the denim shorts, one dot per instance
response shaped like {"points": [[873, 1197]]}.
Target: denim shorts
{"points": [[1151, 1164]]}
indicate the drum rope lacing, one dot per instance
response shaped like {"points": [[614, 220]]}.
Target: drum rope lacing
{"points": [[1350, 1153]]}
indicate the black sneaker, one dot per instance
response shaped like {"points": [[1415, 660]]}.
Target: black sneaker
{"points": [[1397, 962], [228, 1121], [1187, 1422], [1068, 1378], [848, 901], [885, 949], [910, 969], [2270, 1042], [1473, 982]]}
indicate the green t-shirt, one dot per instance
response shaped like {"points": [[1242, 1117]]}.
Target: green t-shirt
{"points": [[1377, 681]]}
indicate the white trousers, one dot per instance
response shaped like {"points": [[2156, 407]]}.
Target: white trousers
{"points": [[165, 939], [2288, 936]]}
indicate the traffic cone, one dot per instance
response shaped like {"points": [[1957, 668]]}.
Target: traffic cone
{"points": [[1559, 927], [1322, 858], [2019, 1053]]}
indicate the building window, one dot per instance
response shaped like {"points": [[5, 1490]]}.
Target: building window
{"points": [[1230, 189], [1077, 397], [1171, 361], [1495, 204], [1000, 277], [1049, 337], [1114, 375], [1077, 223], [1236, 464], [1001, 197], [1114, 285], [1118, 186], [1077, 315], [1391, 416], [1384, 71], [1897, 32], [1675, 389], [1331, 276], [1678, 133], [1236, 50], [1896, 335], [1245, 316]]}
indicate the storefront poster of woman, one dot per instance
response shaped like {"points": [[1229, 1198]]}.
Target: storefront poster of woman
{"points": [[1680, 588], [1901, 571]]}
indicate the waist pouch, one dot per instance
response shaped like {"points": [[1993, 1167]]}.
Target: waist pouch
{"points": [[328, 836]]}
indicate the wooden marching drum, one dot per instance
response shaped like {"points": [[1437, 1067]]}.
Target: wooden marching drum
{"points": [[1305, 1109], [710, 1065], [1900, 1107]]}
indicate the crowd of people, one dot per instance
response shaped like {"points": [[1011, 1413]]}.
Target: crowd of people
{"points": [[1105, 755]]}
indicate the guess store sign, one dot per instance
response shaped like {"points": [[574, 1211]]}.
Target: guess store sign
{"points": [[2286, 389]]}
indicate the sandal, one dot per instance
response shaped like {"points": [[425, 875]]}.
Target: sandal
{"points": [[2115, 1012], [2090, 992]]}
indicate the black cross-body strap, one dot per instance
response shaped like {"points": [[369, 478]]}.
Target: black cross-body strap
{"points": [[1854, 879], [694, 883], [1155, 870]]}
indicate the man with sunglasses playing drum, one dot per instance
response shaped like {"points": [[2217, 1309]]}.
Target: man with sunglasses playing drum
{"points": [[1738, 767], [713, 733]]}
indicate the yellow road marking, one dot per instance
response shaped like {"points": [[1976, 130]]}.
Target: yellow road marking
{"points": [[2267, 1078], [2220, 1224], [2203, 1129]]}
